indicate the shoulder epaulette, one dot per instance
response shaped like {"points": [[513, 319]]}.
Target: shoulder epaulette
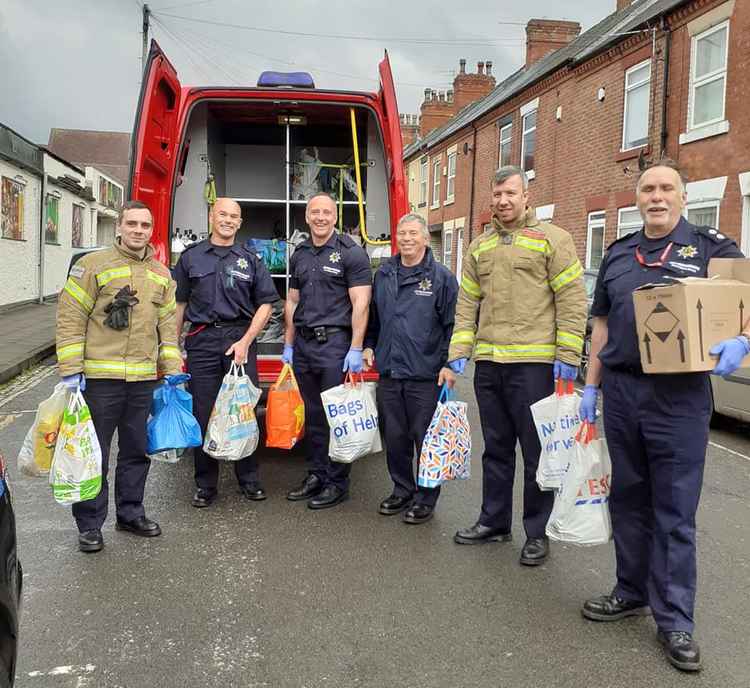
{"points": [[629, 235], [714, 234]]}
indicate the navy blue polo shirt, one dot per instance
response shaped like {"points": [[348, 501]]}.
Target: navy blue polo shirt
{"points": [[222, 282], [323, 275], [411, 318], [621, 273]]}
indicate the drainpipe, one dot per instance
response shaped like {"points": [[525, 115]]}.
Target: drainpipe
{"points": [[665, 86], [42, 230], [471, 191]]}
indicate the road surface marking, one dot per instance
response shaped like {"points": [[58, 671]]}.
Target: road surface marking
{"points": [[730, 451]]}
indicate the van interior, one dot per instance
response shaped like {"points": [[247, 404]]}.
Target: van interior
{"points": [[270, 157]]}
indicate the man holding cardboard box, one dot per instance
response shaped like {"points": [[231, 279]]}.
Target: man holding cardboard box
{"points": [[656, 425]]}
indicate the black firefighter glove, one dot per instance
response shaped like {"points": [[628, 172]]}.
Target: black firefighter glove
{"points": [[118, 311]]}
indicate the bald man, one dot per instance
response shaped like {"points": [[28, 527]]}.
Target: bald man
{"points": [[225, 292]]}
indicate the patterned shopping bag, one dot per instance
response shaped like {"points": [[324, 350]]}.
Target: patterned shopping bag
{"points": [[446, 450]]}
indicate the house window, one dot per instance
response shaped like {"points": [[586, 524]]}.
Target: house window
{"points": [[423, 183], [459, 249], [11, 209], [450, 185], [506, 141], [704, 214], [628, 220], [52, 228], [635, 111], [77, 229], [109, 194], [436, 183], [708, 77], [447, 247], [595, 243], [528, 142]]}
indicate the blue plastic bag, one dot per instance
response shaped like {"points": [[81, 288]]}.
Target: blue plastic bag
{"points": [[271, 251], [172, 424]]}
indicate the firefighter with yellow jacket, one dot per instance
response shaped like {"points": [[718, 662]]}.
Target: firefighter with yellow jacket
{"points": [[521, 315], [115, 334]]}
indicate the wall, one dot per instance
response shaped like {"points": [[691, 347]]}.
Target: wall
{"points": [[19, 260]]}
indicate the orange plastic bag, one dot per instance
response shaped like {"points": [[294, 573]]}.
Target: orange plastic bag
{"points": [[285, 411]]}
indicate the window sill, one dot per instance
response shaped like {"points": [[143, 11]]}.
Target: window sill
{"points": [[435, 206], [52, 243], [705, 132], [13, 239], [632, 153], [449, 201], [530, 174]]}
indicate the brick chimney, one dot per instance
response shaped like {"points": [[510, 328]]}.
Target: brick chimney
{"points": [[409, 128], [468, 88], [436, 110], [622, 4], [544, 36]]}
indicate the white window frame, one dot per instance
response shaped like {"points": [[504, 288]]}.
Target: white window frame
{"points": [[596, 220], [450, 193], [506, 138], [436, 183], [628, 89], [424, 175], [703, 205], [447, 246], [624, 228], [459, 249], [526, 111]]}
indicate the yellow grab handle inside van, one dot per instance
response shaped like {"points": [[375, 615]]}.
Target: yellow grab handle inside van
{"points": [[358, 174]]}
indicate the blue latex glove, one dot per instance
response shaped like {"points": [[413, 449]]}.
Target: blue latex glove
{"points": [[587, 409], [288, 355], [458, 366], [563, 371], [72, 382], [353, 361], [730, 353]]}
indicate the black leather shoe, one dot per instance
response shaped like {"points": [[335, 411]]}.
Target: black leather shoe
{"points": [[142, 526], [479, 534], [328, 497], [90, 540], [681, 650], [310, 486], [394, 505], [419, 513], [612, 608], [253, 491], [535, 551], [203, 498]]}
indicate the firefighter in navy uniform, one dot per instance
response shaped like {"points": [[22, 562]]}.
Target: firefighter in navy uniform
{"points": [[326, 317], [225, 291], [116, 326], [656, 425], [411, 320]]}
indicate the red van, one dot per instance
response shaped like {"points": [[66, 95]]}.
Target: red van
{"points": [[269, 147]]}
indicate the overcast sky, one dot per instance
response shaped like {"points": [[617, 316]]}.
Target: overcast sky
{"points": [[76, 63]]}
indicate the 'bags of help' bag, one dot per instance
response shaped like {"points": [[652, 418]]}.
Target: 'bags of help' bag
{"points": [[446, 449], [556, 420], [580, 514], [352, 414]]}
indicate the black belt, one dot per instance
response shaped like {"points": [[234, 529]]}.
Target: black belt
{"points": [[636, 371], [309, 332]]}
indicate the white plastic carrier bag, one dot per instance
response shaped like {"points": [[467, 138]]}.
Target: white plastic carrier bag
{"points": [[35, 457]]}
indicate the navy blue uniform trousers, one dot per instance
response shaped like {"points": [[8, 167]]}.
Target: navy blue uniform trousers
{"points": [[207, 366], [317, 367], [125, 406], [407, 407], [657, 433], [505, 392]]}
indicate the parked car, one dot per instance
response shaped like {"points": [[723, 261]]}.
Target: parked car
{"points": [[80, 252], [589, 282], [732, 395], [10, 584]]}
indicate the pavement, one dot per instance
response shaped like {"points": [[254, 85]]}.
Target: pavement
{"points": [[272, 594], [27, 335]]}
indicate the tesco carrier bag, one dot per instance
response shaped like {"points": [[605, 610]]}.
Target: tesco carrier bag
{"points": [[352, 414], [556, 421], [35, 457], [580, 514]]}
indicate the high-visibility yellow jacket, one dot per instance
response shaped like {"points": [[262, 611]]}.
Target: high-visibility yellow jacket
{"points": [[522, 297], [147, 347]]}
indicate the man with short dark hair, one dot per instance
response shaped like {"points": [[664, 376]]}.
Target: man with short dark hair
{"points": [[326, 318], [115, 334], [521, 315], [656, 425]]}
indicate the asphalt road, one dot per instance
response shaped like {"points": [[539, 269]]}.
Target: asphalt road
{"points": [[273, 594]]}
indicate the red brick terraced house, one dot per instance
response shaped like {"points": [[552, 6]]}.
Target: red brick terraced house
{"points": [[656, 77]]}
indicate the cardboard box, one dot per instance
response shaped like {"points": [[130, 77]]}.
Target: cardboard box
{"points": [[678, 322]]}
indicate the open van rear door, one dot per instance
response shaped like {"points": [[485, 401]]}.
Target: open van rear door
{"points": [[154, 144], [393, 143]]}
